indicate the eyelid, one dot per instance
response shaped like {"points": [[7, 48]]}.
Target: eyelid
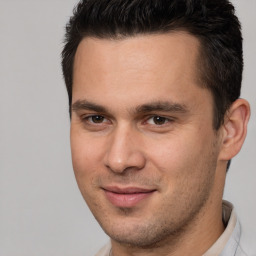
{"points": [[108, 120], [86, 118], [168, 119], [153, 121]]}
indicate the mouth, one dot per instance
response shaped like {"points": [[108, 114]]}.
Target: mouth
{"points": [[127, 197]]}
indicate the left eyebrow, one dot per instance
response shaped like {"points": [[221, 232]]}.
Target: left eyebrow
{"points": [[86, 105], [162, 106]]}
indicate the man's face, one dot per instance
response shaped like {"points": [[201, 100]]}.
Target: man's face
{"points": [[143, 146]]}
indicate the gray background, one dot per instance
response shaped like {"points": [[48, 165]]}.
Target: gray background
{"points": [[41, 210]]}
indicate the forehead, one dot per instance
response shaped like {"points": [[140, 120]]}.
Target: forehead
{"points": [[155, 51], [145, 67]]}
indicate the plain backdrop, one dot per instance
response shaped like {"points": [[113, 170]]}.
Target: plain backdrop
{"points": [[41, 210]]}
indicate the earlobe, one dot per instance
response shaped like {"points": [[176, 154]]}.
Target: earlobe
{"points": [[234, 129]]}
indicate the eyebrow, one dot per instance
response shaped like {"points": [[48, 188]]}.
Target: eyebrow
{"points": [[86, 105], [163, 106]]}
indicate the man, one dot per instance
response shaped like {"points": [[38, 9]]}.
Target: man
{"points": [[155, 120]]}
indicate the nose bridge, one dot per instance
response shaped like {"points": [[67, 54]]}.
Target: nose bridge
{"points": [[124, 150]]}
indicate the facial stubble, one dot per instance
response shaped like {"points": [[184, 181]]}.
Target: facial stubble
{"points": [[185, 208]]}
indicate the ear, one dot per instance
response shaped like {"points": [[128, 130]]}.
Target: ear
{"points": [[234, 129]]}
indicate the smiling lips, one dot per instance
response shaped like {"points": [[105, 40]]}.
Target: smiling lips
{"points": [[127, 197]]}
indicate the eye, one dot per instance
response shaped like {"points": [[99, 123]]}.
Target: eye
{"points": [[158, 120], [95, 119]]}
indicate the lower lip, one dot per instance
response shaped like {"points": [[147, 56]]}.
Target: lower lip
{"points": [[126, 200]]}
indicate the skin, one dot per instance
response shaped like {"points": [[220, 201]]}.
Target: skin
{"points": [[141, 120]]}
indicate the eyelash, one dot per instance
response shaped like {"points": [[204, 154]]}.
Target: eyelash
{"points": [[87, 119], [162, 119]]}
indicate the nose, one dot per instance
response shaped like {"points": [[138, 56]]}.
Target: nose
{"points": [[124, 151]]}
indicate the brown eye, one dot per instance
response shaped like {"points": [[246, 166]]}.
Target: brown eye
{"points": [[93, 122], [97, 119], [157, 120]]}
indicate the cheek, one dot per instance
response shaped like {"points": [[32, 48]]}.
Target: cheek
{"points": [[175, 153], [85, 166], [182, 159], [84, 157]]}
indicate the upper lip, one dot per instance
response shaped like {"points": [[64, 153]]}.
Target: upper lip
{"points": [[127, 190]]}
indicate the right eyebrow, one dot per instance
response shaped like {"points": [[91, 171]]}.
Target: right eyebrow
{"points": [[86, 105]]}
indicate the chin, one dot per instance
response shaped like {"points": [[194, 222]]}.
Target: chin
{"points": [[140, 233]]}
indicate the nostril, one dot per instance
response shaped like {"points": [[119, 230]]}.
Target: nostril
{"points": [[135, 161], [123, 152]]}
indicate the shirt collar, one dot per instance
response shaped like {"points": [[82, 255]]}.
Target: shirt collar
{"points": [[228, 242]]}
